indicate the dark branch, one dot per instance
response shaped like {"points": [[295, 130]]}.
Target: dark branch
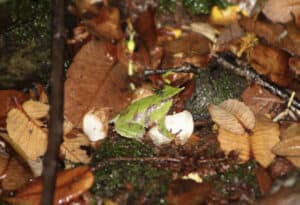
{"points": [[186, 68], [240, 69], [56, 103]]}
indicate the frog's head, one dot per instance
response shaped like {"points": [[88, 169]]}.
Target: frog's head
{"points": [[168, 92]]}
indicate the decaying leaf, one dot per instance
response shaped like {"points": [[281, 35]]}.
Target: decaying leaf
{"points": [[281, 11], [15, 175], [36, 109], [234, 142], [69, 185], [25, 135], [233, 116], [240, 111], [265, 136], [76, 149], [94, 83]]}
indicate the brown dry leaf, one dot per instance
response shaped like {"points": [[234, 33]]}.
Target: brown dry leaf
{"points": [[75, 149], [261, 101], [270, 61], [234, 142], [279, 11], [7, 102], [69, 185], [265, 136], [288, 147], [240, 111], [225, 119], [94, 80], [15, 176], [25, 135], [36, 109]]}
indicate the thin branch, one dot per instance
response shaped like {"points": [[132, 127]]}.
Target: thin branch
{"points": [[253, 76], [56, 103], [135, 159], [186, 68]]}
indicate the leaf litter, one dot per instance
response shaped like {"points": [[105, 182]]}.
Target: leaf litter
{"points": [[233, 161]]}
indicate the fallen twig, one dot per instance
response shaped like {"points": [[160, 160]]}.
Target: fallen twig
{"points": [[241, 69]]}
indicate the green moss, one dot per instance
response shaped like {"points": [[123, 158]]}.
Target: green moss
{"points": [[196, 7], [25, 43], [214, 85], [146, 180], [200, 7], [167, 5]]}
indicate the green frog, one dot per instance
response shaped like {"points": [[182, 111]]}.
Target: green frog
{"points": [[145, 113]]}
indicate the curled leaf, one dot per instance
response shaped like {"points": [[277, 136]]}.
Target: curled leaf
{"points": [[69, 185], [25, 135], [288, 147], [234, 142], [240, 111], [265, 136], [76, 149], [36, 109], [225, 119]]}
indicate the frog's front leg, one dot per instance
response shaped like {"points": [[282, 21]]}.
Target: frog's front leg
{"points": [[130, 130], [163, 129]]}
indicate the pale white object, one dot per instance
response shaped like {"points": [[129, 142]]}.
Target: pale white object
{"points": [[157, 137], [95, 124], [181, 125]]}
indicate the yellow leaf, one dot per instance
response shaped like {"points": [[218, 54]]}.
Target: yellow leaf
{"points": [[288, 147], [234, 142], [225, 119], [25, 135], [35, 109], [73, 149], [241, 111], [265, 136]]}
